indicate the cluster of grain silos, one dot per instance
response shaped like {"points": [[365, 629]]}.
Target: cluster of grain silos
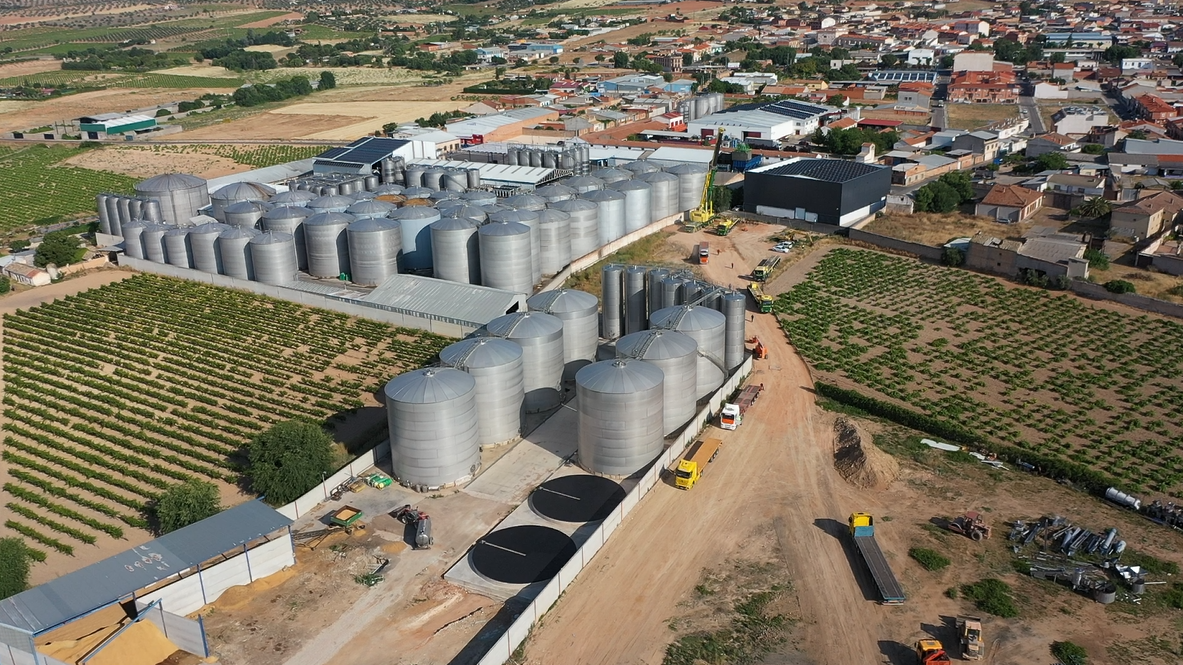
{"points": [[575, 158], [701, 106], [116, 210]]}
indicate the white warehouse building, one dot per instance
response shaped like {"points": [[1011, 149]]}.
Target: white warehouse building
{"points": [[768, 122]]}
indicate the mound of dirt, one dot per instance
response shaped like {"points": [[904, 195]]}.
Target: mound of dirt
{"points": [[857, 459]]}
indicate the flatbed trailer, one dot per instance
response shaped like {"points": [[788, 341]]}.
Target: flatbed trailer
{"points": [[764, 302], [862, 531]]}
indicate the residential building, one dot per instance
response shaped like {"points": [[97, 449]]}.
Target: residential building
{"points": [[771, 121], [1077, 120], [1146, 216], [1051, 142], [28, 275], [973, 61], [1043, 250], [984, 88], [1009, 203], [630, 84], [826, 191], [1152, 107], [986, 144]]}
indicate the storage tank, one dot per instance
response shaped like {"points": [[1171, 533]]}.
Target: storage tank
{"points": [[535, 158], [612, 297], [579, 312], [671, 292], [473, 213], [330, 203], [113, 214], [388, 189], [530, 219], [100, 202], [413, 193], [133, 242], [496, 366], [290, 219], [414, 177], [203, 242], [295, 198], [554, 192], [541, 339], [635, 304], [443, 195], [327, 243], [180, 195], [474, 177], [676, 355], [273, 255], [234, 252], [611, 175], [176, 247], [244, 214], [640, 166], [734, 309], [135, 209], [236, 193], [371, 209], [153, 238], [511, 156], [549, 160], [653, 287], [123, 209], [371, 182], [555, 231], [434, 427], [455, 181], [152, 212], [455, 250], [1121, 498], [708, 328], [416, 221], [638, 206], [375, 246], [525, 202], [584, 226], [664, 196], [692, 178], [479, 198], [691, 290], [432, 178], [611, 203], [583, 184], [621, 416], [505, 256]]}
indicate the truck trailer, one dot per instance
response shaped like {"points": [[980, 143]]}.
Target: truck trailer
{"points": [[694, 462], [704, 252], [765, 268], [862, 531], [732, 415], [764, 302]]}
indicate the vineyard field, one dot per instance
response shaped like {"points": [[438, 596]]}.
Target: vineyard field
{"points": [[151, 80], [115, 393], [257, 156], [35, 189], [1022, 367]]}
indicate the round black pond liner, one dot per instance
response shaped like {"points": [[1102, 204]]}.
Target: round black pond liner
{"points": [[577, 498], [522, 554]]}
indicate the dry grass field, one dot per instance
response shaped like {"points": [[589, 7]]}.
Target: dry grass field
{"points": [[973, 116]]}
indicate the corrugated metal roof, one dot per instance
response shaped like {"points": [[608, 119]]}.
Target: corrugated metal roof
{"points": [[100, 584], [827, 170], [495, 173], [446, 300], [270, 174]]}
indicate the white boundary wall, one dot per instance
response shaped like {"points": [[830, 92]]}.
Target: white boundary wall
{"points": [[503, 648], [319, 494], [188, 634], [584, 262]]}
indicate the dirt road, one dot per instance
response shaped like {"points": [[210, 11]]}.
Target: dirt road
{"points": [[775, 472]]}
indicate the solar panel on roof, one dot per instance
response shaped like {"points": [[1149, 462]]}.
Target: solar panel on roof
{"points": [[829, 170], [332, 152], [366, 150]]}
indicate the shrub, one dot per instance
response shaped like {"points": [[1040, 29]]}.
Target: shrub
{"points": [[5, 284], [930, 559], [289, 459], [992, 596], [59, 248], [1069, 653], [1119, 286], [1097, 260], [185, 503], [14, 567], [953, 257]]}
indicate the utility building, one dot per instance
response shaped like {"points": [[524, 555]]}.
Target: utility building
{"points": [[105, 124], [826, 191], [763, 124]]}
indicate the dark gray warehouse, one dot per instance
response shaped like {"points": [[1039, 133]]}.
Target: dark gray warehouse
{"points": [[827, 191]]}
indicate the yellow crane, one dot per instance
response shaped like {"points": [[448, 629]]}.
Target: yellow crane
{"points": [[705, 211]]}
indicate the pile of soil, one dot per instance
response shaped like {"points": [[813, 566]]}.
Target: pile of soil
{"points": [[857, 459]]}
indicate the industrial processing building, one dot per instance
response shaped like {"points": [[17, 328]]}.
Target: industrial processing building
{"points": [[826, 191], [763, 123]]}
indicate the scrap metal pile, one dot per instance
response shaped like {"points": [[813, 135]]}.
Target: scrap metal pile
{"points": [[1060, 542], [1167, 514]]}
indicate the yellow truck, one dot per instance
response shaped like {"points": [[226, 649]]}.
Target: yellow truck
{"points": [[694, 462]]}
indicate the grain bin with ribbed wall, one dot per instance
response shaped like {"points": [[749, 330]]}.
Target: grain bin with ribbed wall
{"points": [[203, 242], [671, 292], [388, 189], [133, 241], [455, 250], [434, 428], [416, 223], [273, 255], [554, 192], [708, 328], [653, 288], [443, 195], [112, 204], [151, 211], [295, 198], [638, 206], [236, 193], [584, 225], [244, 214], [472, 213], [583, 184], [541, 339], [505, 256], [664, 197], [612, 297], [635, 302], [555, 230], [640, 166], [180, 195], [525, 202], [455, 180], [375, 247], [530, 219], [327, 243], [579, 312], [496, 365], [611, 175], [414, 176], [176, 247], [611, 220], [153, 239], [371, 209], [734, 306], [420, 194], [692, 178], [100, 201], [621, 416], [432, 178], [479, 198], [676, 355], [290, 219], [330, 203], [234, 252]]}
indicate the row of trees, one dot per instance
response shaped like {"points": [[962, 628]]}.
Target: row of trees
{"points": [[129, 60], [280, 90], [850, 141]]}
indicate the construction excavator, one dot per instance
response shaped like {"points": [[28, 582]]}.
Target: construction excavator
{"points": [[932, 652], [705, 212]]}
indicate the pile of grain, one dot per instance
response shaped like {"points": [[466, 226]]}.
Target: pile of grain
{"points": [[857, 459]]}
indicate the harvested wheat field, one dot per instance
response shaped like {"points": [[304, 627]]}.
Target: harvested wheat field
{"points": [[15, 116], [205, 69], [319, 120], [29, 67], [268, 22], [938, 229]]}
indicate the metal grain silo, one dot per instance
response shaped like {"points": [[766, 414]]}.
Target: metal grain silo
{"points": [[611, 203], [635, 304], [445, 206], [432, 178], [580, 313], [176, 247], [371, 209], [653, 287], [135, 209], [416, 222], [152, 212], [244, 214], [638, 206], [584, 225], [388, 189], [474, 177], [505, 256], [621, 416], [273, 255], [555, 231], [554, 192], [549, 159], [664, 198], [327, 243], [112, 204], [473, 213], [671, 292], [100, 202], [692, 178], [511, 156], [525, 202], [234, 252], [611, 175], [290, 219], [535, 157], [371, 182], [443, 195], [496, 366], [375, 246], [455, 250], [676, 355], [735, 305], [541, 339], [180, 195], [414, 175], [708, 328], [236, 193], [479, 198], [133, 242], [434, 427], [640, 166], [153, 238], [455, 180], [530, 219], [691, 290], [612, 297], [330, 203], [413, 193], [123, 209], [295, 198], [584, 183], [203, 242]]}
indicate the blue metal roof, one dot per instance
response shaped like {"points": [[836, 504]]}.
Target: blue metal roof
{"points": [[364, 151], [98, 585]]}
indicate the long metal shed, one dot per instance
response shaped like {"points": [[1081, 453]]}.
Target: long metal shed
{"points": [[467, 305]]}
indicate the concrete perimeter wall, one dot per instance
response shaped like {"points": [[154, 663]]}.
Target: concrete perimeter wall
{"points": [[319, 494], [584, 262], [1098, 292], [886, 242], [503, 648]]}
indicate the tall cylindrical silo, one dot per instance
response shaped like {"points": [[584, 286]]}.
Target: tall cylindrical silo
{"points": [[479, 198], [664, 195], [375, 244], [455, 250], [416, 221], [511, 156], [327, 243], [177, 251], [579, 311], [100, 201], [708, 328], [640, 166], [273, 255], [432, 178], [496, 365], [474, 177], [472, 213], [584, 228], [611, 175], [735, 307], [691, 290], [621, 416], [676, 355], [135, 209], [290, 219], [123, 207], [549, 160], [611, 203], [455, 181], [530, 219], [443, 195], [553, 193], [653, 287], [541, 339], [330, 203], [180, 195], [612, 298], [434, 427], [416, 193], [692, 178], [555, 230], [236, 193], [584, 183], [371, 209], [133, 241], [635, 304], [153, 237], [113, 214], [525, 202], [535, 157], [414, 176], [234, 252], [671, 292], [371, 182], [203, 242], [505, 256], [244, 214], [638, 206], [152, 212]]}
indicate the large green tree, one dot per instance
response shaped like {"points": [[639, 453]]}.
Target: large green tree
{"points": [[14, 567], [59, 248], [185, 503], [1051, 161], [289, 459]]}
